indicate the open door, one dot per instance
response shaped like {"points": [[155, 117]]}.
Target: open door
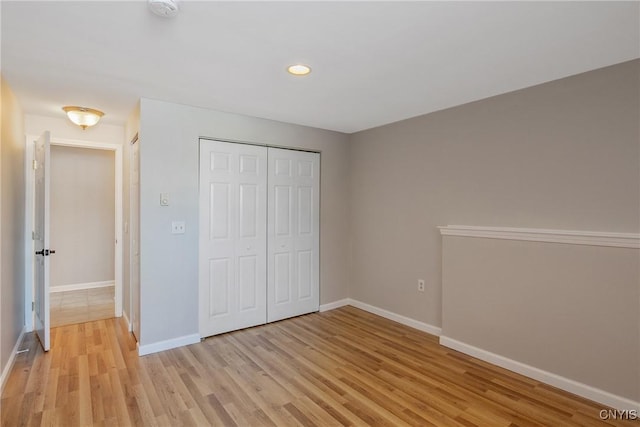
{"points": [[41, 239]]}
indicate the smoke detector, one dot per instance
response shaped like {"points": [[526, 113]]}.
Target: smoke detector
{"points": [[164, 8]]}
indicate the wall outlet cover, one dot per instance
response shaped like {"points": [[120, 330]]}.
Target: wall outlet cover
{"points": [[178, 227]]}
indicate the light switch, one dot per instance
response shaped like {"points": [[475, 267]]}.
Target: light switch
{"points": [[178, 227], [164, 199]]}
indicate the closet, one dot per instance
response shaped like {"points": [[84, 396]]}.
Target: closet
{"points": [[259, 235]]}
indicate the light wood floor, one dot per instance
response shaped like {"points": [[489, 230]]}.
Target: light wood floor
{"points": [[84, 305], [342, 367]]}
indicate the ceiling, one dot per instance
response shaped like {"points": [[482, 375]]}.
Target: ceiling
{"points": [[373, 62]]}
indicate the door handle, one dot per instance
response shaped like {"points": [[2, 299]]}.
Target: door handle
{"points": [[45, 252]]}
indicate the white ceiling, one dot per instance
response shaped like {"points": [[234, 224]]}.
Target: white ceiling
{"points": [[373, 62]]}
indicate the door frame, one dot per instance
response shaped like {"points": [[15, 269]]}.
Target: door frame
{"points": [[135, 141], [29, 219]]}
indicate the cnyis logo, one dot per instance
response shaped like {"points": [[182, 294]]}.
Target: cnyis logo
{"points": [[619, 414]]}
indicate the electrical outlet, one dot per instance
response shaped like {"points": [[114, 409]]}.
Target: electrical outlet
{"points": [[421, 285], [178, 227]]}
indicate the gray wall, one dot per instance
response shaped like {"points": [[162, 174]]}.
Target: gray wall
{"points": [[560, 155], [82, 215], [571, 310], [169, 164], [12, 216]]}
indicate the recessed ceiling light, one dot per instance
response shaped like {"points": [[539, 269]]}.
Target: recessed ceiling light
{"points": [[299, 69]]}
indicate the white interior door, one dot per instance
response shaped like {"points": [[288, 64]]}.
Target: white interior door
{"points": [[41, 238], [233, 192], [293, 233], [134, 229]]}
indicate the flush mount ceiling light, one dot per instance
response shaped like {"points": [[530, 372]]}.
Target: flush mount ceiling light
{"points": [[83, 116], [299, 69], [164, 8]]}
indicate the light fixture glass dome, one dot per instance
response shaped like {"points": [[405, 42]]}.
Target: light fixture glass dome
{"points": [[83, 116], [299, 69]]}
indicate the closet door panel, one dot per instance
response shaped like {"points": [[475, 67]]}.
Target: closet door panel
{"points": [[293, 233], [282, 277], [233, 199]]}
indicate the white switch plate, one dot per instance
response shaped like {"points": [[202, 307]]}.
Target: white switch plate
{"points": [[178, 227], [164, 199]]}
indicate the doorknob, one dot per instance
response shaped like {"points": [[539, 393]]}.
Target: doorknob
{"points": [[40, 252]]}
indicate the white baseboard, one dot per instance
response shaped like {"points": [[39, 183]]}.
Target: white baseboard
{"points": [[575, 387], [424, 327], [335, 304], [168, 344], [80, 286], [12, 359]]}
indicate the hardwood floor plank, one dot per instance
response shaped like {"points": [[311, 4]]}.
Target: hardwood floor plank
{"points": [[344, 367], [220, 411], [298, 415], [84, 391]]}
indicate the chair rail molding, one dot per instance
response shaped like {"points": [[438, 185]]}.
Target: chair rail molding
{"points": [[572, 237]]}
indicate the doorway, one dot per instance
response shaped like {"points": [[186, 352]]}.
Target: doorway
{"points": [[97, 296], [82, 229]]}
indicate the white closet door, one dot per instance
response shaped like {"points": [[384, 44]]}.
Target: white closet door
{"points": [[293, 239], [233, 190]]}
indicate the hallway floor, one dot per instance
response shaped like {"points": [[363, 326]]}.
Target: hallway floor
{"points": [[81, 306]]}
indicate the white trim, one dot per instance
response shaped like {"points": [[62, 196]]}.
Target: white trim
{"points": [[80, 286], [168, 344], [425, 327], [575, 387], [12, 360], [126, 319], [335, 304], [64, 142], [573, 237], [132, 314]]}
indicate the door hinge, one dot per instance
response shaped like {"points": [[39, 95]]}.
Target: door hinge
{"points": [[35, 165], [33, 306]]}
